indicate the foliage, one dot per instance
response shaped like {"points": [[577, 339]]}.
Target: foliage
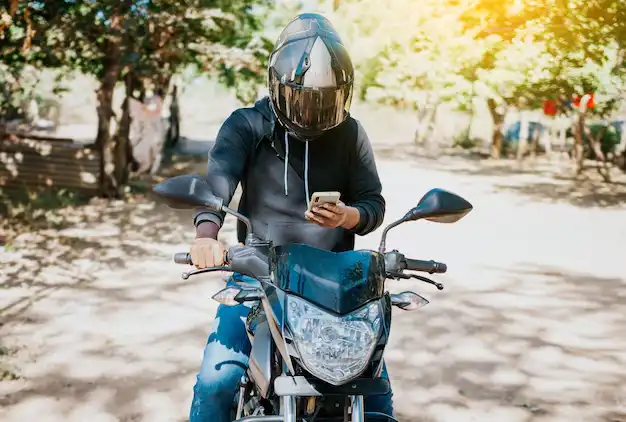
{"points": [[586, 42], [510, 53], [141, 42], [506, 50], [464, 140], [156, 38], [609, 135]]}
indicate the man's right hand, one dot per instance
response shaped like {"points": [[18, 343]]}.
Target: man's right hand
{"points": [[207, 252]]}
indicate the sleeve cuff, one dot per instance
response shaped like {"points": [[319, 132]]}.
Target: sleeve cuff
{"points": [[364, 217], [204, 216]]}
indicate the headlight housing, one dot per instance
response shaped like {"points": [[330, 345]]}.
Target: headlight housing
{"points": [[335, 349]]}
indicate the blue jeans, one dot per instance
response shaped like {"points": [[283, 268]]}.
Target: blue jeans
{"points": [[225, 361]]}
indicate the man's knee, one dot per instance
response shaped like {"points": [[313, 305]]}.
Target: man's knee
{"points": [[219, 375], [225, 356], [213, 387], [213, 395], [225, 361], [229, 329]]}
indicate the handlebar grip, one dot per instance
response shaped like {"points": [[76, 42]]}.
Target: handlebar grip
{"points": [[441, 268], [183, 258], [426, 266]]}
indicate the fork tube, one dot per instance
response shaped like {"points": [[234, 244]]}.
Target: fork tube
{"points": [[288, 408], [357, 409], [243, 383]]}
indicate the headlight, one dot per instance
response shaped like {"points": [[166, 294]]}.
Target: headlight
{"points": [[334, 349]]}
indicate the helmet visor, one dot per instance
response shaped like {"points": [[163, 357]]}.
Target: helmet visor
{"points": [[310, 110]]}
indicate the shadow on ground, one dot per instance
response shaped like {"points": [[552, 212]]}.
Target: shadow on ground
{"points": [[119, 336], [539, 342], [62, 248], [579, 193], [107, 316], [535, 344], [542, 179]]}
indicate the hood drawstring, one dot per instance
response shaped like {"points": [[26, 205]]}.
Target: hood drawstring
{"points": [[306, 169], [306, 173], [286, 163]]}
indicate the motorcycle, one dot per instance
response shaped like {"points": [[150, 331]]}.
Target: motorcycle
{"points": [[319, 320]]}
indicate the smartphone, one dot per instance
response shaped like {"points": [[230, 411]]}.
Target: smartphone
{"points": [[319, 198]]}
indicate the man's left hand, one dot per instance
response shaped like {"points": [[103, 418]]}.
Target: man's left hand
{"points": [[332, 216]]}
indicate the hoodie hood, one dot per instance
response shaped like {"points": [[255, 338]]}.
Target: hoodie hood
{"points": [[269, 119]]}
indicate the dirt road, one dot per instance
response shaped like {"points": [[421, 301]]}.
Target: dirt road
{"points": [[97, 324]]}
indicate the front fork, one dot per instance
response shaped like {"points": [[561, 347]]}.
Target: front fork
{"points": [[243, 385], [288, 409], [358, 408]]}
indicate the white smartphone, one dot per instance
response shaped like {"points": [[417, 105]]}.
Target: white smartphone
{"points": [[319, 198]]}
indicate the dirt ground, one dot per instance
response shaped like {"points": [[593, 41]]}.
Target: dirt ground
{"points": [[97, 324]]}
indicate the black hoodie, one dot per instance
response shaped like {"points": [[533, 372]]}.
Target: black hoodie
{"points": [[250, 148]]}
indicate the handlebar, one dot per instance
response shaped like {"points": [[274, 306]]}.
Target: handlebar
{"points": [[430, 267], [252, 261], [183, 258]]}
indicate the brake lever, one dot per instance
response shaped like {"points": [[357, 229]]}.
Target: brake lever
{"points": [[186, 275], [398, 275], [439, 286]]}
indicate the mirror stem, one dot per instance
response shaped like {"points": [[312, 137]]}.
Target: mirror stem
{"points": [[240, 217], [383, 238]]}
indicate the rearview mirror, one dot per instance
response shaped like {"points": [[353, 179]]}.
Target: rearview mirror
{"points": [[437, 205], [440, 206], [188, 191]]}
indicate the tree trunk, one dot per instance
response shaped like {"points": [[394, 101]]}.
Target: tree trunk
{"points": [[173, 132], [426, 119], [123, 151], [108, 79], [604, 166], [162, 84], [579, 135], [497, 138], [620, 151]]}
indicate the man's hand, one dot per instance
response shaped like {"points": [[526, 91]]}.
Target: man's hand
{"points": [[332, 216], [207, 252]]}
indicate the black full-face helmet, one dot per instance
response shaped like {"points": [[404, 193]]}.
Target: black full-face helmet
{"points": [[310, 77]]}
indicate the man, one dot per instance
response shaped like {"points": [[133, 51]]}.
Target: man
{"points": [[297, 141]]}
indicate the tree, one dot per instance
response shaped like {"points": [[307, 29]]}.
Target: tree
{"points": [[133, 41], [21, 27], [501, 52], [424, 56], [586, 41]]}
